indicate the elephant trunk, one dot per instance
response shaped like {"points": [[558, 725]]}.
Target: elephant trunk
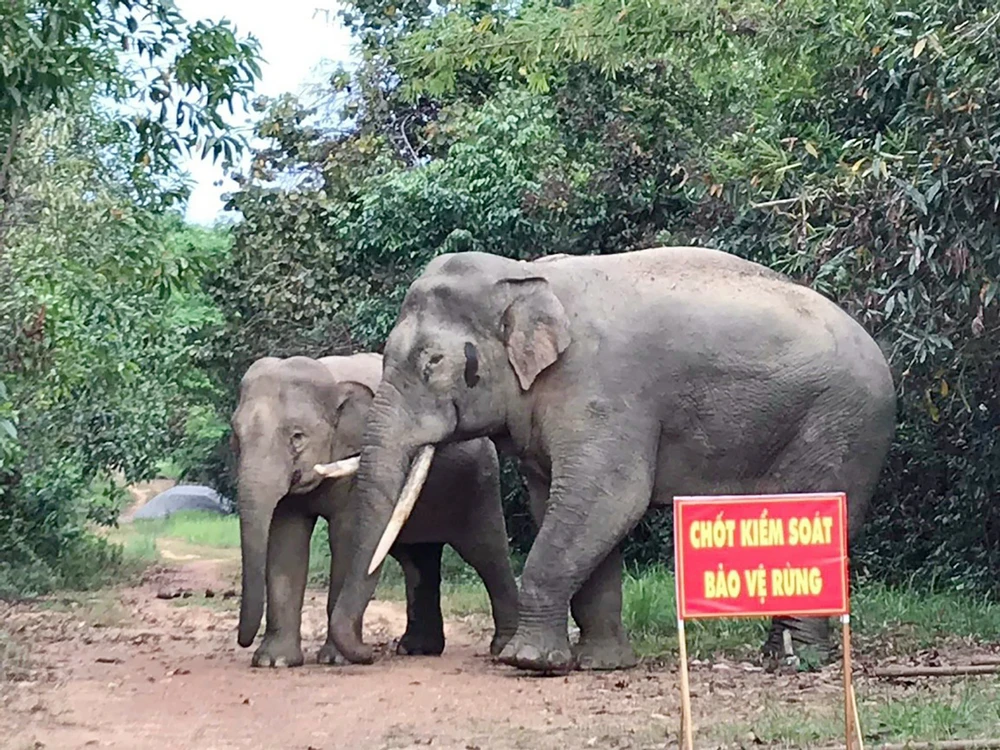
{"points": [[259, 491], [385, 461]]}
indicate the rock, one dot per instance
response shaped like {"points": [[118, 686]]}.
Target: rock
{"points": [[181, 498]]}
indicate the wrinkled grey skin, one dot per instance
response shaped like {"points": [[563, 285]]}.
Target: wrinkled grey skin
{"points": [[620, 381], [297, 412]]}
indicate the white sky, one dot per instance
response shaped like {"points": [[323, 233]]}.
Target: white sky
{"points": [[295, 37]]}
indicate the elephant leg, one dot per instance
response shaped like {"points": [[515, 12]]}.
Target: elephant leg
{"points": [[421, 565], [487, 551], [799, 471], [483, 545], [287, 567], [595, 499], [329, 653], [810, 639], [597, 609], [538, 495]]}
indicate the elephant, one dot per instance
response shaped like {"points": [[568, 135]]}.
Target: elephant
{"points": [[620, 381], [298, 412]]}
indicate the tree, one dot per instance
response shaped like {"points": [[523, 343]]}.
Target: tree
{"points": [[179, 76], [97, 290]]}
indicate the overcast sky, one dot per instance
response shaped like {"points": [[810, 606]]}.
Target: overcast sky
{"points": [[296, 38]]}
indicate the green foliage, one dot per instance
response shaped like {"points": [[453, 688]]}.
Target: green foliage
{"points": [[100, 302], [8, 433], [888, 203], [140, 52]]}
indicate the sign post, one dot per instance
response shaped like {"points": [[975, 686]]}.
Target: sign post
{"points": [[687, 732], [762, 556]]}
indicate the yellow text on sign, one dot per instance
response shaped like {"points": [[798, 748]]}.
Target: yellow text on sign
{"points": [[761, 532]]}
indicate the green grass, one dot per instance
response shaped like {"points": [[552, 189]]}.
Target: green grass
{"points": [[967, 709], [140, 548], [963, 710], [907, 617], [202, 528], [918, 616], [650, 615], [912, 616], [897, 618]]}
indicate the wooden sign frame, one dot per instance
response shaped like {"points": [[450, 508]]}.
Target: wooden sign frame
{"points": [[807, 529]]}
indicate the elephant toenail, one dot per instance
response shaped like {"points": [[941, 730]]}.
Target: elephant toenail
{"points": [[529, 654]]}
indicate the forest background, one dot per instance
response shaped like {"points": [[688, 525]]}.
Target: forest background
{"points": [[854, 146]]}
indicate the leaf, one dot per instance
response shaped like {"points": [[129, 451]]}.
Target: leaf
{"points": [[917, 197], [919, 47], [538, 82], [932, 408], [991, 292], [811, 150]]}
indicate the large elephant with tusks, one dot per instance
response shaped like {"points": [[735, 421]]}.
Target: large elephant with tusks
{"points": [[620, 381]]}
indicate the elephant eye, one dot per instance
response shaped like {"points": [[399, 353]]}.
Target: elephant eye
{"points": [[298, 437], [471, 365]]}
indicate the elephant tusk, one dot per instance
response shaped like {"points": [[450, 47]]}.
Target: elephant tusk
{"points": [[404, 506], [343, 468]]}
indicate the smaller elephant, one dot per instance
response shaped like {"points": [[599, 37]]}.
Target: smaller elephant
{"points": [[298, 412]]}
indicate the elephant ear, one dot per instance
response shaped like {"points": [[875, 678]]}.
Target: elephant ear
{"points": [[534, 328], [353, 402]]}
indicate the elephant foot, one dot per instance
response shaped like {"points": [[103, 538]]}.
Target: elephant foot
{"points": [[500, 639], [801, 644], [420, 644], [330, 654], [546, 652], [277, 653], [608, 653]]}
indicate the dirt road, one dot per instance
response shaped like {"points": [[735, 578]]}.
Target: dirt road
{"points": [[131, 670], [126, 669]]}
